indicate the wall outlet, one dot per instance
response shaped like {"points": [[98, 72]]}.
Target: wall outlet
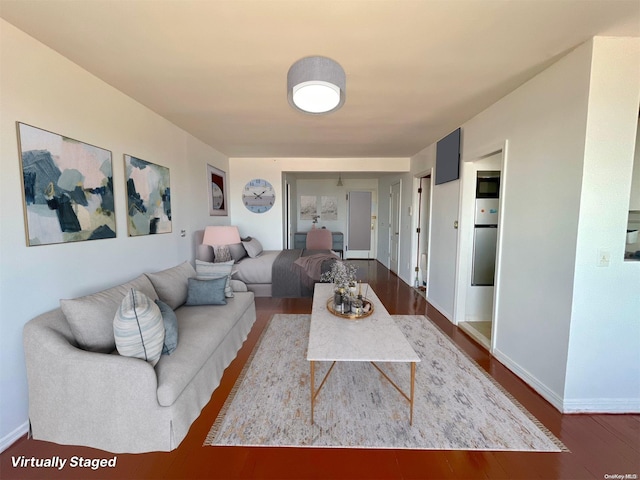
{"points": [[604, 257]]}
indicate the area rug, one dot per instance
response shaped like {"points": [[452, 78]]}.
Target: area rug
{"points": [[457, 405]]}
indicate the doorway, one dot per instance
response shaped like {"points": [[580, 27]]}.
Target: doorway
{"points": [[394, 227], [360, 227], [423, 230], [478, 274]]}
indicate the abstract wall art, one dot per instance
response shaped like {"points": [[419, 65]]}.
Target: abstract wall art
{"points": [[217, 186], [67, 188], [148, 197]]}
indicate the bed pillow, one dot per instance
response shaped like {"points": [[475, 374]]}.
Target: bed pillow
{"points": [[206, 292], [170, 328], [138, 328], [253, 247], [209, 271]]}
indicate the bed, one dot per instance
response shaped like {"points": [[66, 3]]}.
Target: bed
{"points": [[273, 273]]}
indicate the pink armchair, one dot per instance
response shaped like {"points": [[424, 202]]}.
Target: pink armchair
{"points": [[319, 239]]}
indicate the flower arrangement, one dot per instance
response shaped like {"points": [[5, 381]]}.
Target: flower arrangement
{"points": [[341, 273]]}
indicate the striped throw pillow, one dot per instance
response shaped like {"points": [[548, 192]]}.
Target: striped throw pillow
{"points": [[138, 328], [211, 271]]}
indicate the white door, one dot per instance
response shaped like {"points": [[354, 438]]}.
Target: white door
{"points": [[360, 227], [394, 226], [423, 239]]}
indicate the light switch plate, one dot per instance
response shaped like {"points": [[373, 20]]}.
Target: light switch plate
{"points": [[604, 257]]}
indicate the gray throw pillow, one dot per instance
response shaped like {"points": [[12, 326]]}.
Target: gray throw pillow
{"points": [[221, 253], [237, 251], [206, 292], [253, 247], [91, 317], [170, 328], [171, 284]]}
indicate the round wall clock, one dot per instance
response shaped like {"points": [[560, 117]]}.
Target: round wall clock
{"points": [[258, 195]]}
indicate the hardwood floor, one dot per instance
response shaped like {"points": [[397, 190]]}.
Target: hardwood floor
{"points": [[599, 445]]}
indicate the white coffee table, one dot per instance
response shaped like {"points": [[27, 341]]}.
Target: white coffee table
{"points": [[375, 338]]}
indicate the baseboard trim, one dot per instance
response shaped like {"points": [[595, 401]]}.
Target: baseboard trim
{"points": [[602, 405], [10, 438], [546, 393], [442, 311]]}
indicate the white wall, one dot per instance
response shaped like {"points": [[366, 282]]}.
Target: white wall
{"points": [[444, 237], [634, 199], [41, 88], [267, 227], [603, 366], [568, 328]]}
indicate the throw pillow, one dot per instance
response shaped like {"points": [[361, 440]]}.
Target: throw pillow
{"points": [[221, 253], [138, 328], [171, 284], [91, 317], [238, 251], [209, 271], [206, 292], [170, 327], [253, 247]]}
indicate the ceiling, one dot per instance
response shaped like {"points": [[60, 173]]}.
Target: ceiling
{"points": [[416, 70]]}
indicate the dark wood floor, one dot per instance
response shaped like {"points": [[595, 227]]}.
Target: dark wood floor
{"points": [[600, 445]]}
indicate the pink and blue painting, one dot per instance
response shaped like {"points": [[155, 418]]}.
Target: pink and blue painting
{"points": [[67, 188], [148, 197]]}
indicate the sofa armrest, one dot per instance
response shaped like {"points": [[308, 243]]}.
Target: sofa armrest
{"points": [[76, 396]]}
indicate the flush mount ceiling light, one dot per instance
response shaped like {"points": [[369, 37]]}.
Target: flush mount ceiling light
{"points": [[316, 85]]}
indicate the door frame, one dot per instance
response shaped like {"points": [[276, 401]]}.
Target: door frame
{"points": [[373, 215], [398, 210], [465, 234]]}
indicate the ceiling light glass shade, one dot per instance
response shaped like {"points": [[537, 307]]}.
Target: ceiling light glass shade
{"points": [[316, 85]]}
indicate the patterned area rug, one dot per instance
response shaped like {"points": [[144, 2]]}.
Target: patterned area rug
{"points": [[457, 405]]}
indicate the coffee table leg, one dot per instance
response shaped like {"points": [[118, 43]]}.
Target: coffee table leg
{"points": [[413, 382], [313, 382]]}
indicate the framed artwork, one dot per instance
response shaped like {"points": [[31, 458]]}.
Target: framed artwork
{"points": [[67, 188], [308, 207], [217, 185], [148, 197], [328, 208], [258, 195]]}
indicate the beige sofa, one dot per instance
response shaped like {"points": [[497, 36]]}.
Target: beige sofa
{"points": [[82, 392]]}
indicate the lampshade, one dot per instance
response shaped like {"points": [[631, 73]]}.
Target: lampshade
{"points": [[316, 85], [221, 235]]}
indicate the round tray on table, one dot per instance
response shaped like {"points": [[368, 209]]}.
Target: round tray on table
{"points": [[351, 316]]}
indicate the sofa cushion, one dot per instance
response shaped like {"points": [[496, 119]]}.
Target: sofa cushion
{"points": [[206, 292], [208, 270], [175, 372], [138, 328], [170, 327], [171, 284], [91, 317]]}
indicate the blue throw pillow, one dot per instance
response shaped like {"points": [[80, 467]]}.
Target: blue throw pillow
{"points": [[170, 328], [206, 292]]}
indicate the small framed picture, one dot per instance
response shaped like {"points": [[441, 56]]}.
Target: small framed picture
{"points": [[217, 186]]}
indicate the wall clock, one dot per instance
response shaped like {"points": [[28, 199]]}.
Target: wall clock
{"points": [[258, 195]]}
